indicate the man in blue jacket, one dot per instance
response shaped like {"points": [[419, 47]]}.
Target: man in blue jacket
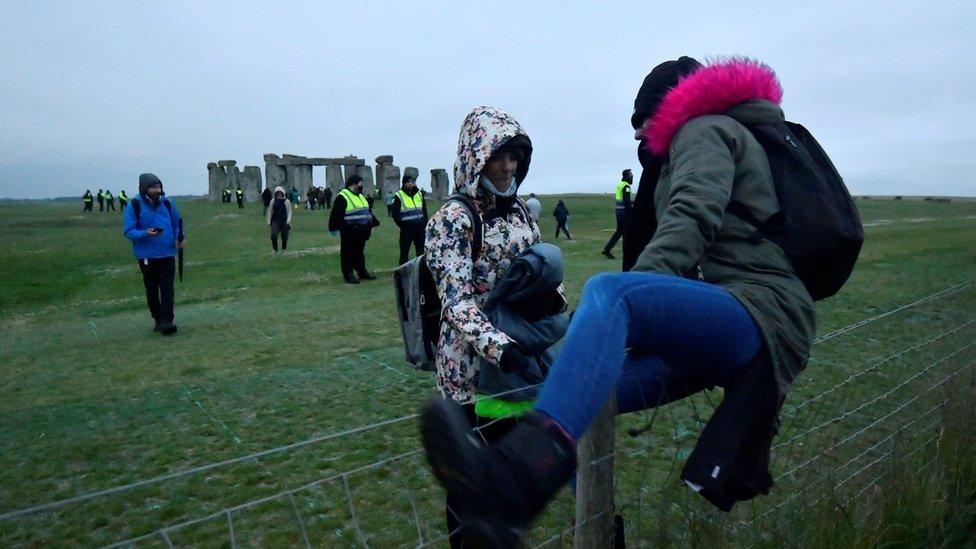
{"points": [[153, 224]]}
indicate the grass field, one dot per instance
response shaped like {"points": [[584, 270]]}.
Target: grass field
{"points": [[276, 350]]}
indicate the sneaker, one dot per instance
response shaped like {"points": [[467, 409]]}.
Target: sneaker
{"points": [[503, 487], [168, 328], [158, 327], [351, 280], [608, 255]]}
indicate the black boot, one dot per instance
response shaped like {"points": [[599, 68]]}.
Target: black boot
{"points": [[503, 487]]}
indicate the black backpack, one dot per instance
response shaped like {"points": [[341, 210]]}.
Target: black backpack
{"points": [[818, 226]]}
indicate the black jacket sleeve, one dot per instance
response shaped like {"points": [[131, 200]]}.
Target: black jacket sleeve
{"points": [[395, 208], [338, 214]]}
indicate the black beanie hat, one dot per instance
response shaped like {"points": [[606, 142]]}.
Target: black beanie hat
{"points": [[656, 84]]}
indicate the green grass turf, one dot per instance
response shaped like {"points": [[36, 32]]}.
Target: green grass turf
{"points": [[273, 350]]}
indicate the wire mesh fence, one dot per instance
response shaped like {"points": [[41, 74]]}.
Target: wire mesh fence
{"points": [[872, 397]]}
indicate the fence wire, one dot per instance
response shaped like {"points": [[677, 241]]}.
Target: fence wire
{"points": [[834, 444]]}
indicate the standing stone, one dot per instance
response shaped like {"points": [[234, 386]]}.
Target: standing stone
{"points": [[216, 179], [303, 179], [226, 163], [233, 176], [366, 172], [440, 184], [273, 173], [391, 181], [251, 183], [333, 178]]}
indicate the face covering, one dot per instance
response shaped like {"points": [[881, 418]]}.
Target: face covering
{"points": [[487, 185]]}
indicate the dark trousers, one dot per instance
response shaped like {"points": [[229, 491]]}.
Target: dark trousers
{"points": [[411, 234], [157, 276], [101, 205], [88, 207], [492, 430], [352, 254], [622, 221], [111, 205], [561, 226], [240, 203], [281, 229]]}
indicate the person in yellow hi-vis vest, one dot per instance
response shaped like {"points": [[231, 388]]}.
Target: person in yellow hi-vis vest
{"points": [[409, 211], [352, 220], [622, 205]]}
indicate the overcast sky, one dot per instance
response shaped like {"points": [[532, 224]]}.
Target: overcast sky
{"points": [[94, 93]]}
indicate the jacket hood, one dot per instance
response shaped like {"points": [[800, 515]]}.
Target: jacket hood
{"points": [[147, 180], [280, 189], [485, 130], [712, 89]]}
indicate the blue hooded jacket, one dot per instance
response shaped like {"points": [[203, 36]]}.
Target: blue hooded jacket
{"points": [[145, 246]]}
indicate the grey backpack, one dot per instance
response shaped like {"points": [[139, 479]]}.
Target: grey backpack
{"points": [[418, 305]]}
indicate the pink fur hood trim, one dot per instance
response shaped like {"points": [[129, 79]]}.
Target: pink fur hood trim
{"points": [[712, 89]]}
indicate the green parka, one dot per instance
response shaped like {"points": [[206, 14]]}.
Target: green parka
{"points": [[713, 159]]}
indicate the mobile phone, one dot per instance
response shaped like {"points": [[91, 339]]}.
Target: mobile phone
{"points": [[157, 230]]}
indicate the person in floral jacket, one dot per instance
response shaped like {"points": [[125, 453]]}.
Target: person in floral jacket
{"points": [[492, 161]]}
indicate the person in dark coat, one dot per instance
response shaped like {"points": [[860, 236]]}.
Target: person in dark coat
{"points": [[266, 196], [326, 196], [562, 218], [353, 221], [409, 212], [279, 219], [87, 199], [704, 304], [123, 200], [240, 197], [101, 200]]}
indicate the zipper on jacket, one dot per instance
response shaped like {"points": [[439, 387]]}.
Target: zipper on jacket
{"points": [[791, 142]]}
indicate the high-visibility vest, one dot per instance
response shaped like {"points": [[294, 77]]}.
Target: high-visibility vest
{"points": [[240, 192], [622, 187], [357, 209], [411, 207], [88, 198]]}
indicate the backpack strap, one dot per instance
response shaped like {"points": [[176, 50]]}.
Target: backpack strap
{"points": [[477, 224], [137, 209]]}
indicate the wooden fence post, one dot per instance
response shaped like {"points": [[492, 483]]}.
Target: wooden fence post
{"points": [[594, 482]]}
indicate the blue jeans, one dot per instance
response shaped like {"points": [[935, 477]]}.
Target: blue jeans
{"points": [[652, 338]]}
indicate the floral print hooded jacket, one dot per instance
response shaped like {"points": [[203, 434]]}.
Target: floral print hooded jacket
{"points": [[467, 338]]}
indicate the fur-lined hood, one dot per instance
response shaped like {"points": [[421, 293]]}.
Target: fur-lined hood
{"points": [[712, 89], [483, 131]]}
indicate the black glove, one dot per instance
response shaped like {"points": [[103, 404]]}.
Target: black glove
{"points": [[512, 359]]}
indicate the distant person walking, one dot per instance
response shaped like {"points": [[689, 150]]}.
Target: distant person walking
{"points": [[353, 221], [279, 219], [240, 197], [534, 206], [109, 200], [312, 196], [622, 206], [266, 197], [562, 219], [409, 212], [123, 200], [225, 195], [101, 200], [153, 224], [87, 199]]}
